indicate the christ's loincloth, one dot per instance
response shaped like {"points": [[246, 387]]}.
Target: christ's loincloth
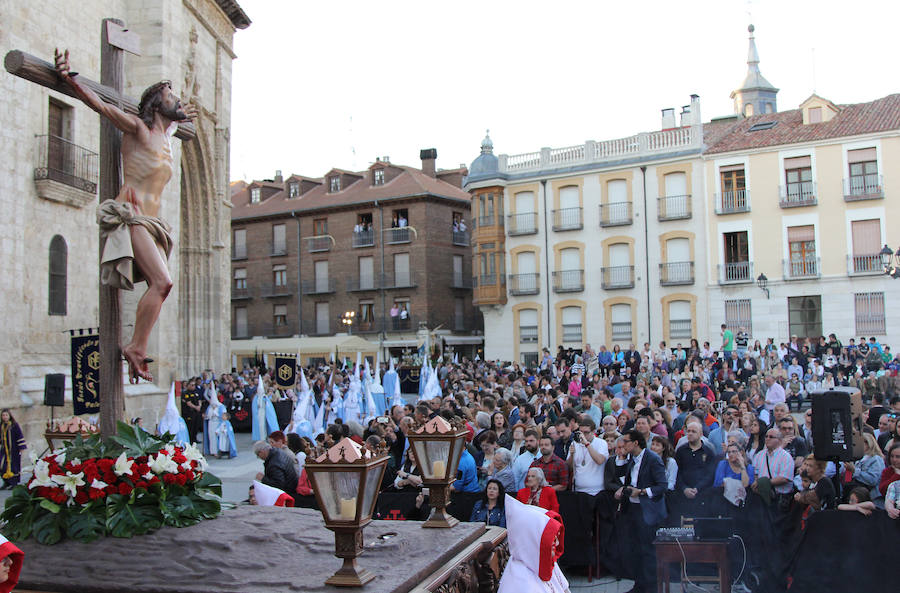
{"points": [[117, 267]]}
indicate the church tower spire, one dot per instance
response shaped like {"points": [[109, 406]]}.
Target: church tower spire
{"points": [[756, 95]]}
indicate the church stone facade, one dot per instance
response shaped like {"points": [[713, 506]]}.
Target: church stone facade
{"points": [[49, 238]]}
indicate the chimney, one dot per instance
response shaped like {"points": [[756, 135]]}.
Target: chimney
{"points": [[686, 116], [696, 118], [386, 159], [278, 177], [429, 160], [668, 118]]}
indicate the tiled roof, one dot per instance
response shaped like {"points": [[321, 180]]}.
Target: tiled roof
{"points": [[410, 182], [852, 120]]}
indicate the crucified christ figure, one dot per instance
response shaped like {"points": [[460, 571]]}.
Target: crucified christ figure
{"points": [[134, 242]]}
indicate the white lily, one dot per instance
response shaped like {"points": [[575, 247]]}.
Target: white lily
{"points": [[192, 453], [169, 449], [70, 482], [60, 455], [99, 485], [41, 475], [161, 463], [123, 466], [148, 476]]}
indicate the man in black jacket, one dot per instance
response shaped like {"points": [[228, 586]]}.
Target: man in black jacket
{"points": [[280, 471]]}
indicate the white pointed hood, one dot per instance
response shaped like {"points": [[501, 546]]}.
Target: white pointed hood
{"points": [[169, 422], [535, 538]]}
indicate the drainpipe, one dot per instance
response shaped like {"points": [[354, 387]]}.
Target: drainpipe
{"points": [[381, 283], [546, 262], [299, 281], [646, 252]]}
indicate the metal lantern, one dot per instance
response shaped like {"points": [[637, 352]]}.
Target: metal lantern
{"points": [[346, 480], [437, 447]]}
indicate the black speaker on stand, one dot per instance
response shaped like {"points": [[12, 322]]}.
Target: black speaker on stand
{"points": [[54, 392], [837, 424]]}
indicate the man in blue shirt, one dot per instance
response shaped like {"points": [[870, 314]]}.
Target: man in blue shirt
{"points": [[468, 475]]}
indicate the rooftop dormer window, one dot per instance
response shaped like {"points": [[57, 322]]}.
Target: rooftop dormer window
{"points": [[379, 176], [334, 183], [254, 195], [293, 189]]}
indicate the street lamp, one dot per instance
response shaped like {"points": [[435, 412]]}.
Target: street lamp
{"points": [[437, 447], [886, 255], [763, 282], [345, 481], [347, 320]]}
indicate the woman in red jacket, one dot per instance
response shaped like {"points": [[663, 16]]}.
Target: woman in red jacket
{"points": [[890, 473], [537, 491]]}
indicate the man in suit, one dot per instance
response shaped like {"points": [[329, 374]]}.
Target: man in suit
{"points": [[645, 507]]}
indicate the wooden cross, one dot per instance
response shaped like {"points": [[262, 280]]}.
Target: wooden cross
{"points": [[115, 39]]}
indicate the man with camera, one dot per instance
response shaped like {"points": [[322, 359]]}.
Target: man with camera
{"points": [[587, 458]]}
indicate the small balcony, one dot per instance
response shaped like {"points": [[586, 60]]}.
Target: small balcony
{"points": [[400, 280], [279, 330], [317, 327], [396, 236], [318, 286], [62, 167], [674, 207], [523, 284], [863, 187], [459, 281], [568, 281], [802, 269], [319, 243], [571, 332], [567, 219], [794, 195], [460, 238], [398, 324], [240, 294], [278, 249], [277, 290], [621, 331], [363, 283], [676, 273], [485, 280], [733, 202], [489, 220], [680, 329], [364, 239], [238, 252], [615, 277], [864, 265], [528, 334], [736, 272], [521, 224], [371, 326], [616, 214]]}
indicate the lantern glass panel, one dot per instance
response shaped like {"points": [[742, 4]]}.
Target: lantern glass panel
{"points": [[434, 460], [339, 491], [458, 445], [373, 481]]}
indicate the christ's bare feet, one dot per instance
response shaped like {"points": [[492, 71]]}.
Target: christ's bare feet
{"points": [[137, 365]]}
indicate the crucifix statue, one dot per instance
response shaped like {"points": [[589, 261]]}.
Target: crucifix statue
{"points": [[136, 163], [134, 242]]}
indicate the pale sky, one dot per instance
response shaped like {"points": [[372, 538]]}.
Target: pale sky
{"points": [[329, 84]]}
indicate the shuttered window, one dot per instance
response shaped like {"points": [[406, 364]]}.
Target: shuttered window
{"points": [[59, 255]]}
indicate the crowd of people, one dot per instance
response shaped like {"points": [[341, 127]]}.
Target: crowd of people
{"points": [[658, 433]]}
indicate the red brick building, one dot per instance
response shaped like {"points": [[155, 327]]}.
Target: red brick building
{"points": [[388, 244]]}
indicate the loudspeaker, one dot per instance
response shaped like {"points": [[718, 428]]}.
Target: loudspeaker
{"points": [[837, 424], [54, 389]]}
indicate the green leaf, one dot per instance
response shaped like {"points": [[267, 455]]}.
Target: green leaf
{"points": [[19, 513], [88, 524], [136, 441], [49, 505], [126, 520], [209, 482], [179, 511], [48, 528], [207, 508]]}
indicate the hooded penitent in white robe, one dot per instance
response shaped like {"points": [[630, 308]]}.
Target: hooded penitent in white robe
{"points": [[172, 422], [391, 385], [535, 538]]}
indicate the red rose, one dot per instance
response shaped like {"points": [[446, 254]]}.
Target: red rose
{"points": [[154, 479], [168, 478], [109, 477], [81, 497], [189, 476], [181, 479], [59, 498], [111, 489], [96, 493], [141, 484], [125, 489], [105, 465]]}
